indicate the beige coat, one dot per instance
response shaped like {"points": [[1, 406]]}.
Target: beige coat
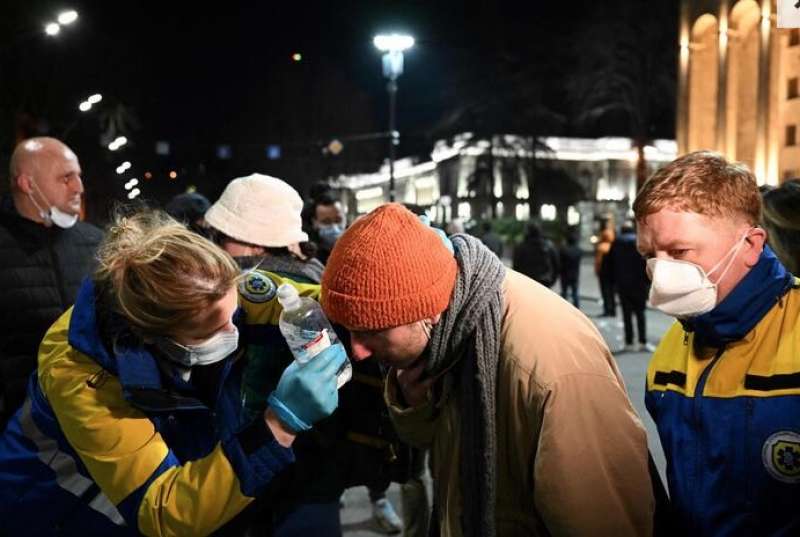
{"points": [[571, 451]]}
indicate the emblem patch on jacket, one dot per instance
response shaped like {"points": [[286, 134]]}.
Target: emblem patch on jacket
{"points": [[257, 288], [781, 456]]}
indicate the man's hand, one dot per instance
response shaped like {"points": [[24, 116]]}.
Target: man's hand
{"points": [[415, 390]]}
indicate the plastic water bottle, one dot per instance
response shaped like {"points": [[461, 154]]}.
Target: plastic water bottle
{"points": [[306, 329]]}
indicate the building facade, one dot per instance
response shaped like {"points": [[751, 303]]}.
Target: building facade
{"points": [[575, 181], [738, 89]]}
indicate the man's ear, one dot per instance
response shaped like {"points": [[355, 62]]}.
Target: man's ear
{"points": [[754, 243], [24, 183]]}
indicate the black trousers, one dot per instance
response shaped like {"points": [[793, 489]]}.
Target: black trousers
{"points": [[631, 307], [607, 292]]}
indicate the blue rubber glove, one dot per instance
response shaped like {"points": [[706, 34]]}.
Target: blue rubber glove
{"points": [[307, 393], [442, 235]]}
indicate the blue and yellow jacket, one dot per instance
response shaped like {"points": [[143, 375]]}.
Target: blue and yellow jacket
{"points": [[724, 391], [109, 442]]}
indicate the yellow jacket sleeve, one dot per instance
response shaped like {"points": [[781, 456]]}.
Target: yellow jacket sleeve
{"points": [[133, 464]]}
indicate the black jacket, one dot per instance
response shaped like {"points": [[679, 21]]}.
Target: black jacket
{"points": [[537, 258], [40, 271], [628, 269], [570, 257]]}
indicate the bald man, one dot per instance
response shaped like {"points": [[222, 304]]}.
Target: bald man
{"points": [[44, 254]]}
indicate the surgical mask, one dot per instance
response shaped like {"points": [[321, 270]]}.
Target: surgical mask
{"points": [[53, 215], [329, 234], [683, 289], [211, 351]]}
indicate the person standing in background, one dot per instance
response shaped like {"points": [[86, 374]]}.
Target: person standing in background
{"points": [[602, 248], [570, 263], [491, 239], [536, 257], [327, 224], [628, 274], [257, 221], [781, 219], [45, 251]]}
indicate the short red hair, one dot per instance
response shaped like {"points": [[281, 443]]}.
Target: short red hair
{"points": [[703, 182]]}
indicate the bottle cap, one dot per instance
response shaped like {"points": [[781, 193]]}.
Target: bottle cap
{"points": [[288, 297]]}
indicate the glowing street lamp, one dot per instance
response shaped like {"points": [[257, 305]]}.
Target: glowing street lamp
{"points": [[393, 42], [393, 46], [67, 17], [64, 18], [117, 143]]}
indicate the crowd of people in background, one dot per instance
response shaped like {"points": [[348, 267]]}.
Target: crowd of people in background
{"points": [[145, 387]]}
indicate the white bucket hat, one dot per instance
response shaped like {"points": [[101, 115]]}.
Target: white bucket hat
{"points": [[259, 209]]}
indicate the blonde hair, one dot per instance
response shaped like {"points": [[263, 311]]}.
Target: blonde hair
{"points": [[702, 182], [160, 274]]}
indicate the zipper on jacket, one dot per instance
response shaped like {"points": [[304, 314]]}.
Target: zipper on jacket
{"points": [[698, 395], [62, 293]]}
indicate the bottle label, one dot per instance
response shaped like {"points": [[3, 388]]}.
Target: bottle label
{"points": [[315, 346]]}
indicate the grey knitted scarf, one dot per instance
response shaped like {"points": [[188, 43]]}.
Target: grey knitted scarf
{"points": [[469, 332]]}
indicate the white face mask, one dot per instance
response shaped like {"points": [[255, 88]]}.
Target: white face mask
{"points": [[683, 289], [53, 215], [211, 351]]}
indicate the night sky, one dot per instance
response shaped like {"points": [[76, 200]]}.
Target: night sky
{"points": [[200, 77]]}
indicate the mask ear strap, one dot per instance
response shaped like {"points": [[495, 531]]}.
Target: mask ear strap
{"points": [[732, 254], [45, 214], [427, 327]]}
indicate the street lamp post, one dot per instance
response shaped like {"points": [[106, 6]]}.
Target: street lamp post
{"points": [[392, 46]]}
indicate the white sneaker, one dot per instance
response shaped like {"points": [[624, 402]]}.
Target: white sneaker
{"points": [[385, 517], [645, 347]]}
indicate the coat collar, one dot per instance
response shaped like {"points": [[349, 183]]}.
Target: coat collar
{"points": [[733, 318], [144, 383]]}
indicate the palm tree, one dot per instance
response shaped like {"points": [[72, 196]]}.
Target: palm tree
{"points": [[627, 72], [508, 99]]}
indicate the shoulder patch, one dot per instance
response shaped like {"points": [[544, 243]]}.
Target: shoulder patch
{"points": [[257, 288], [781, 456]]}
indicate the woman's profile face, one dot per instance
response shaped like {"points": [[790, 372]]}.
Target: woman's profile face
{"points": [[218, 317]]}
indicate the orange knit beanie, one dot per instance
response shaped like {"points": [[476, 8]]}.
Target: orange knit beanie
{"points": [[388, 269]]}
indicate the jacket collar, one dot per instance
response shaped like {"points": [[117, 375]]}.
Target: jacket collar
{"points": [[745, 306], [11, 217], [136, 368], [627, 237]]}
